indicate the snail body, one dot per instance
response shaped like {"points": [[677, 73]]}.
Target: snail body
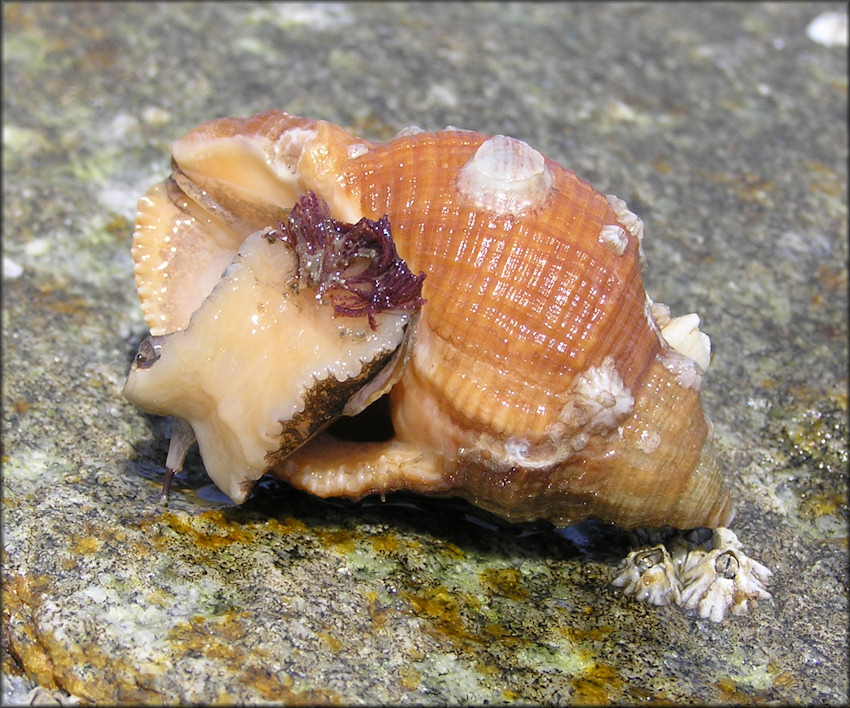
{"points": [[532, 375]]}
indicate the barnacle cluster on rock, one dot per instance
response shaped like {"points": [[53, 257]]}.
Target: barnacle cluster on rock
{"points": [[709, 582]]}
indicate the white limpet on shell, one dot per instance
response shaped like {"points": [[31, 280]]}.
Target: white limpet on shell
{"points": [[505, 176]]}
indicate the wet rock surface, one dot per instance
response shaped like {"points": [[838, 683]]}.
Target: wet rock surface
{"points": [[722, 126]]}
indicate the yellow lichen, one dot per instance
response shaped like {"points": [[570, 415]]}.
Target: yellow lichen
{"points": [[86, 545], [384, 543], [340, 540], [54, 663], [443, 611], [598, 685], [410, 678], [504, 581], [215, 531], [334, 644]]}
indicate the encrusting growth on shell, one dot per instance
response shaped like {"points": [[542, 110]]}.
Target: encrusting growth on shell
{"points": [[614, 236], [356, 265], [525, 367], [505, 176]]}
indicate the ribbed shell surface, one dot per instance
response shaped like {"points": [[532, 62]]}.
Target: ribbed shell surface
{"points": [[524, 303]]}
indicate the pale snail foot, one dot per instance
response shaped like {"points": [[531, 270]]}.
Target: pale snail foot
{"points": [[708, 583], [329, 467]]}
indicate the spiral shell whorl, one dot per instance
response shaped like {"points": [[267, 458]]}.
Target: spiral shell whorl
{"points": [[520, 321]]}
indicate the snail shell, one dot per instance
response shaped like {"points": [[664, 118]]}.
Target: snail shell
{"points": [[542, 383]]}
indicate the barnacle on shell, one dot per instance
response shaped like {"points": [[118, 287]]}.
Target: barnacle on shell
{"points": [[542, 381]]}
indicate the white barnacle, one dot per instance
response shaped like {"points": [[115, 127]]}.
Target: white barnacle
{"points": [[517, 450], [650, 575], [688, 352], [614, 237], [357, 149], [687, 372], [408, 131], [286, 151], [683, 334], [659, 311], [598, 401], [723, 580], [709, 583], [648, 441], [505, 176], [655, 314], [630, 221]]}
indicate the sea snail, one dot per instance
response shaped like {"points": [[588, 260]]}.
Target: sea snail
{"points": [[526, 368]]}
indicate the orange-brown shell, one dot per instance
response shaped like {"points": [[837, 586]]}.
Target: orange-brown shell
{"points": [[528, 309]]}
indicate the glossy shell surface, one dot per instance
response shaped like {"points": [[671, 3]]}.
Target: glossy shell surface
{"points": [[543, 382]]}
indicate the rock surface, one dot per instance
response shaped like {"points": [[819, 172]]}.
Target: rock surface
{"points": [[723, 126]]}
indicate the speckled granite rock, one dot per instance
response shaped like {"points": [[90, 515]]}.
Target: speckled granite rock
{"points": [[723, 126]]}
